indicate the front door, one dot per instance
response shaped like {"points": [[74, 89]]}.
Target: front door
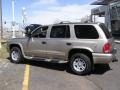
{"points": [[36, 45]]}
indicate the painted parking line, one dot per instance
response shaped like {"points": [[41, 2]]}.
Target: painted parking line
{"points": [[26, 78]]}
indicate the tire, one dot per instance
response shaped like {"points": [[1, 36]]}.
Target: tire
{"points": [[80, 64], [16, 55]]}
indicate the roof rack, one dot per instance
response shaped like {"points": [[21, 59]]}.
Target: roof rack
{"points": [[68, 22], [65, 22]]}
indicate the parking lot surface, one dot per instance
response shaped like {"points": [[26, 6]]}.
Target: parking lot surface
{"points": [[54, 76], [11, 76]]}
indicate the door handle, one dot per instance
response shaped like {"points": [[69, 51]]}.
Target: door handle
{"points": [[68, 44], [43, 42]]}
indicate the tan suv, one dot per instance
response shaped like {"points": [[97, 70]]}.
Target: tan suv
{"points": [[81, 44]]}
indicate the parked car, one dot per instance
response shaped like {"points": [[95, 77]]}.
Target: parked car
{"points": [[80, 44]]}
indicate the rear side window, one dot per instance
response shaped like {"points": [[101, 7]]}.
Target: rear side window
{"points": [[86, 32], [106, 31]]}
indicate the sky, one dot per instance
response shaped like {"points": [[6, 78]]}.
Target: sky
{"points": [[47, 11]]}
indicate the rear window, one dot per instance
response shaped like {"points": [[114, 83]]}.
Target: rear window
{"points": [[86, 32], [106, 31]]}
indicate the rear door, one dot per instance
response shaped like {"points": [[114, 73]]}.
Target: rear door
{"points": [[59, 42]]}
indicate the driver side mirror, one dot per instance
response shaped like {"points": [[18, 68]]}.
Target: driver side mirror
{"points": [[28, 32]]}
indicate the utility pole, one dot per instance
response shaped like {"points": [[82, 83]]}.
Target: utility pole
{"points": [[1, 35], [13, 17]]}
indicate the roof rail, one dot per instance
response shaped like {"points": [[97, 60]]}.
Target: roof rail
{"points": [[65, 22]]}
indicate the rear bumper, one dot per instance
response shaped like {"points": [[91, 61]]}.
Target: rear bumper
{"points": [[100, 58]]}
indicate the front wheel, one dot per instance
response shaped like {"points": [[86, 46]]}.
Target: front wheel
{"points": [[16, 55], [80, 64]]}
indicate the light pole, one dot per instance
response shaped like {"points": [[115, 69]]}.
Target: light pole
{"points": [[24, 17], [13, 18], [24, 14], [1, 36]]}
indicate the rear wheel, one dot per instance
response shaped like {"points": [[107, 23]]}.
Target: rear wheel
{"points": [[80, 64], [16, 55]]}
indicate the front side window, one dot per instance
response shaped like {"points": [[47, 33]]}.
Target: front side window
{"points": [[40, 32], [86, 32], [60, 32]]}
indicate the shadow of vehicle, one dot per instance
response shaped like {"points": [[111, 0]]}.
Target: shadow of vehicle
{"points": [[48, 65], [98, 69], [101, 69]]}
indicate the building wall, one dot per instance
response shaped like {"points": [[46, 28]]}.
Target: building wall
{"points": [[104, 12], [107, 18], [112, 15]]}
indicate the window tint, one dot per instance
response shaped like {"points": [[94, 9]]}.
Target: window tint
{"points": [[40, 32], [86, 32], [106, 31], [60, 32]]}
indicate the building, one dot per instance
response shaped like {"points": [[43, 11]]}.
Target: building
{"points": [[110, 9]]}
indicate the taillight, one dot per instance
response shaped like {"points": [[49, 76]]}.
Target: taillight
{"points": [[106, 48]]}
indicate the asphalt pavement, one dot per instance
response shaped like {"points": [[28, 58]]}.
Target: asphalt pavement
{"points": [[11, 75]]}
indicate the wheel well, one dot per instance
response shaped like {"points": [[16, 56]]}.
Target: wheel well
{"points": [[14, 45], [84, 51]]}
